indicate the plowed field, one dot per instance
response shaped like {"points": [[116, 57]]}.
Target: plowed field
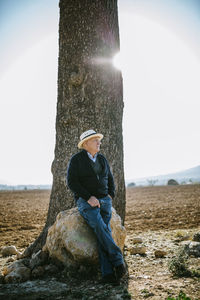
{"points": [[158, 215]]}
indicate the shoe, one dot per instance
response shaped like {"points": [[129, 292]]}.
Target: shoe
{"points": [[120, 271], [110, 278]]}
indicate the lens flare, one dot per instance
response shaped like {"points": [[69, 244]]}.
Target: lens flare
{"points": [[117, 61]]}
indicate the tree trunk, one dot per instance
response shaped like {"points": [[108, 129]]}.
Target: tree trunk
{"points": [[90, 96]]}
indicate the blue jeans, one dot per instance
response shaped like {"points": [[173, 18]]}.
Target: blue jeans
{"points": [[99, 220]]}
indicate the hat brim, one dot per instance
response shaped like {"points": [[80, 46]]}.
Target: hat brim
{"points": [[96, 135]]}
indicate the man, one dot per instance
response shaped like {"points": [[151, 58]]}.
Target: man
{"points": [[90, 179]]}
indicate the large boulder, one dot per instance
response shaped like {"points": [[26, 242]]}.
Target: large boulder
{"points": [[72, 241]]}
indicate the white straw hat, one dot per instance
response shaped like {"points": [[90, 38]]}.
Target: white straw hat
{"points": [[85, 136]]}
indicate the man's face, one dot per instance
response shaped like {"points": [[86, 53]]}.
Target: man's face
{"points": [[92, 145]]}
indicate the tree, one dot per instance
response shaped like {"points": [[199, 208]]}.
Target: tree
{"points": [[152, 182], [90, 96], [172, 182], [131, 184]]}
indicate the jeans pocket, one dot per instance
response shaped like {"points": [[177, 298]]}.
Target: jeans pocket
{"points": [[83, 205]]}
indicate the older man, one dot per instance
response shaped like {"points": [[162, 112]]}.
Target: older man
{"points": [[90, 179]]}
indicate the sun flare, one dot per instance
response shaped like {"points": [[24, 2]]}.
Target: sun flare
{"points": [[118, 61]]}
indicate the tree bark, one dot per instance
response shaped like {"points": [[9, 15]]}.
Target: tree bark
{"points": [[90, 96]]}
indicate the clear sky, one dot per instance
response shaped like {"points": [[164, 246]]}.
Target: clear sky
{"points": [[160, 62]]}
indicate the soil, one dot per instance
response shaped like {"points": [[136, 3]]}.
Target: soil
{"points": [[164, 217]]}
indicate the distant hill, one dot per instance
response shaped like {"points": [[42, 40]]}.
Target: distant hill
{"points": [[183, 177], [5, 187]]}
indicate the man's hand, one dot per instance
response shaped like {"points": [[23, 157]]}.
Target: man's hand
{"points": [[93, 201]]}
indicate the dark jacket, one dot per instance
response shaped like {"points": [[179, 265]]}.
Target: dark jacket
{"points": [[82, 180]]}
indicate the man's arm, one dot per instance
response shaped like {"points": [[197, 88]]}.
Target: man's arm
{"points": [[76, 187], [73, 181]]}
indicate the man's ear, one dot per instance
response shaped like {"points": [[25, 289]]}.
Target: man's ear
{"points": [[84, 145]]}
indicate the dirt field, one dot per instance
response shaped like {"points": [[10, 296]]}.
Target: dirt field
{"points": [[156, 214], [164, 207], [22, 216]]}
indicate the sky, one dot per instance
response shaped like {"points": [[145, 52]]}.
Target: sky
{"points": [[160, 63]]}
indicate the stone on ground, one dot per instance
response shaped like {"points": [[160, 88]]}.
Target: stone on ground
{"points": [[193, 249], [36, 289], [20, 274], [138, 250], [196, 237], [9, 250], [137, 240], [160, 253]]}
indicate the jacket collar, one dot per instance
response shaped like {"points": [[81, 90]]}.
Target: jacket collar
{"points": [[100, 157]]}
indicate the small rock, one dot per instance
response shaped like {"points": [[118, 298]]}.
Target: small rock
{"points": [[160, 253], [186, 237], [196, 237], [137, 240], [193, 249], [9, 250], [10, 268], [159, 287], [19, 274], [138, 250]]}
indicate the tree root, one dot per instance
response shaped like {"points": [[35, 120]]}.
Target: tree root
{"points": [[37, 244]]}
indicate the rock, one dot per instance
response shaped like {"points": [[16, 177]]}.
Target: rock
{"points": [[10, 268], [186, 237], [137, 240], [38, 272], [196, 237], [160, 253], [9, 250], [72, 241], [38, 259], [138, 250], [19, 274], [118, 231], [193, 248], [35, 289]]}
